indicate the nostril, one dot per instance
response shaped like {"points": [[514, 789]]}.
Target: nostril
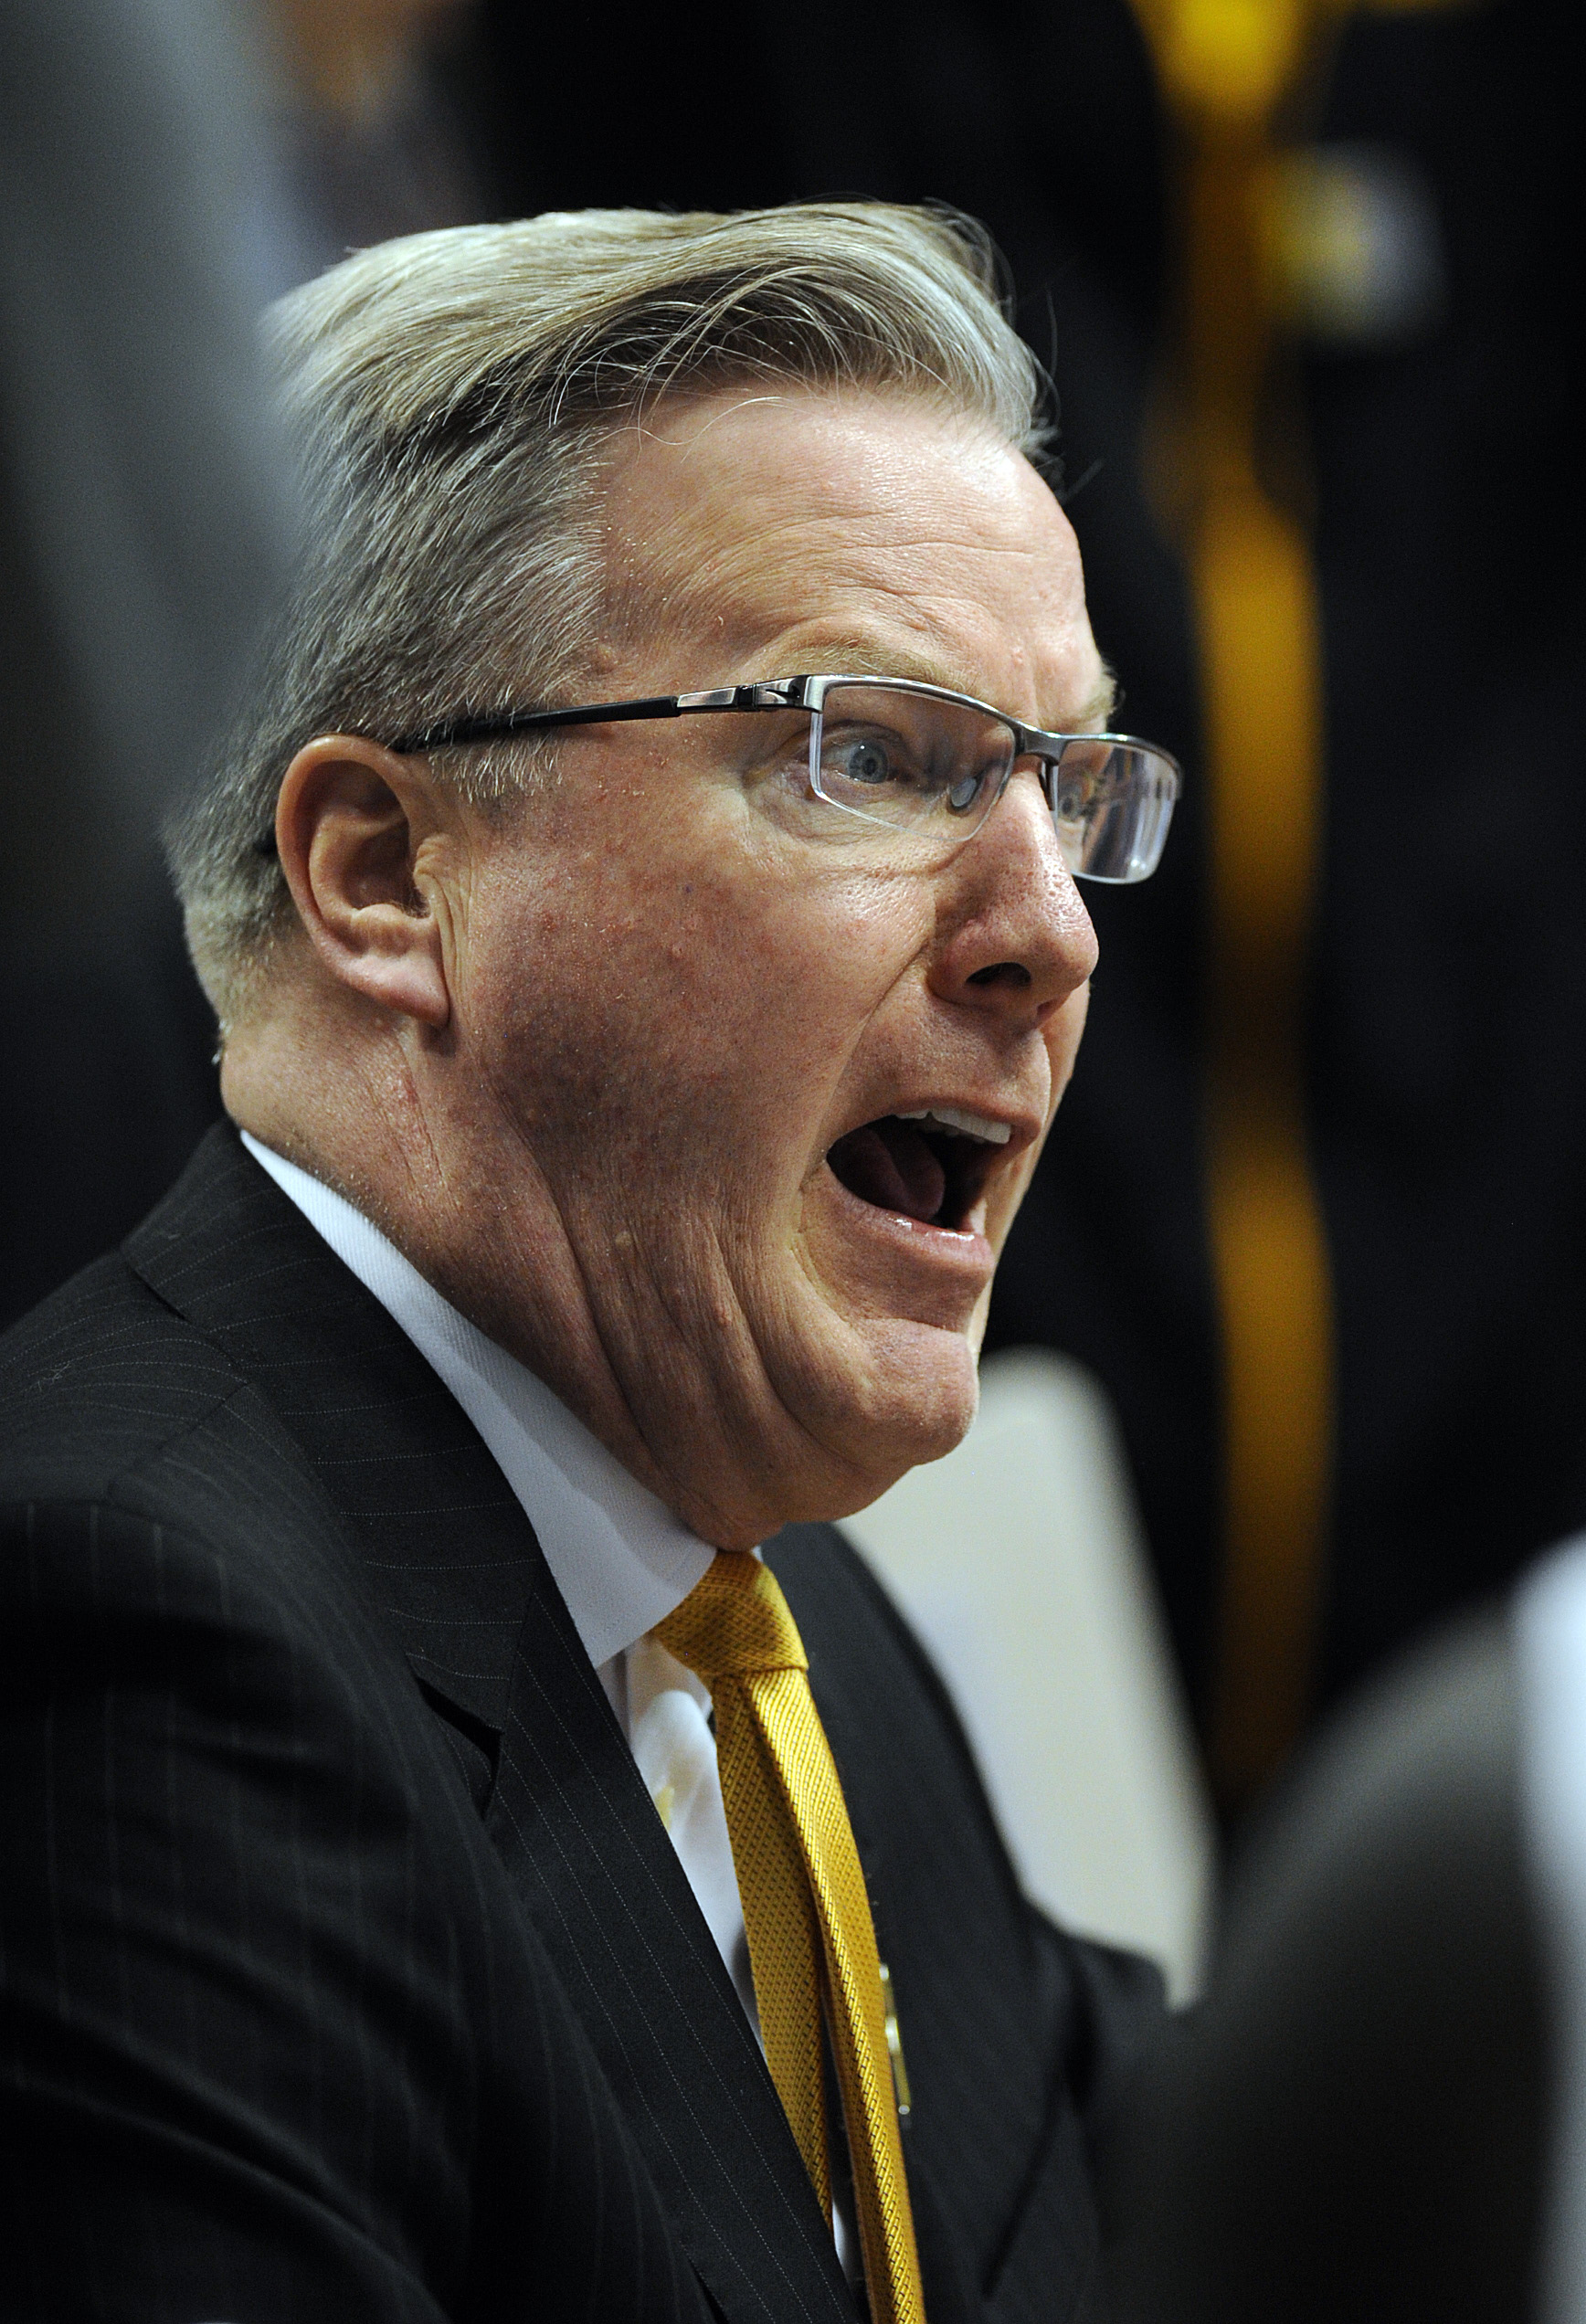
{"points": [[1011, 973]]}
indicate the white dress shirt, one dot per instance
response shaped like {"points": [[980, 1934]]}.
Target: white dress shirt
{"points": [[621, 1559]]}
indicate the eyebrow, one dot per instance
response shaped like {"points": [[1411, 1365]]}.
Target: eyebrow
{"points": [[1098, 711], [854, 656]]}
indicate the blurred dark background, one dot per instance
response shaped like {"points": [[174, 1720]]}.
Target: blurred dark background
{"points": [[1422, 423]]}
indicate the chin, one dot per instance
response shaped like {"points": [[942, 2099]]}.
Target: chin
{"points": [[912, 1401]]}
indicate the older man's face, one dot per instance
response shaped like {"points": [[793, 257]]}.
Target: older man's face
{"points": [[700, 1018]]}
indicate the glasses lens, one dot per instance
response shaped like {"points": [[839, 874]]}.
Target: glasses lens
{"points": [[905, 762], [1112, 803]]}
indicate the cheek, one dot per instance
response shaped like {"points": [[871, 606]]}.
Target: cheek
{"points": [[694, 1022]]}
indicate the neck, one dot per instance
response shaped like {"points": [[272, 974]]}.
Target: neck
{"points": [[369, 1109]]}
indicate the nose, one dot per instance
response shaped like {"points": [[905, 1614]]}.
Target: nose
{"points": [[1013, 938]]}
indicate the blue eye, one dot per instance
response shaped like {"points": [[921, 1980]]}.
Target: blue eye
{"points": [[865, 760]]}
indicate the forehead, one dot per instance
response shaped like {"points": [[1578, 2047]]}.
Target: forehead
{"points": [[759, 534]]}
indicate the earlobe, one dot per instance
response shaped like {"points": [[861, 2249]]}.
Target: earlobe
{"points": [[350, 821]]}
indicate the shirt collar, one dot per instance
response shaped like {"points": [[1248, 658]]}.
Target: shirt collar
{"points": [[621, 1559]]}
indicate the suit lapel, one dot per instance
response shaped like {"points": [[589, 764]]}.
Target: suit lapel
{"points": [[591, 1860], [454, 1566], [445, 1549]]}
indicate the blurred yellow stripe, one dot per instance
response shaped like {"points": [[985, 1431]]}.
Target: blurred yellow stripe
{"points": [[1226, 66], [1256, 607]]}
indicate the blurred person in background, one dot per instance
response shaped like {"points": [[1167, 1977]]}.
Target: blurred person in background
{"points": [[1379, 2111], [1376, 2115], [166, 174], [143, 520]]}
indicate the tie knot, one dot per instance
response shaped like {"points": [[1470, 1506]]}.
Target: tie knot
{"points": [[733, 1623]]}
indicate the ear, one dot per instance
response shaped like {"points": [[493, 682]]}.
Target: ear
{"points": [[349, 823]]}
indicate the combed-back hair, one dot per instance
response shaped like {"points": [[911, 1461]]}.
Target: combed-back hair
{"points": [[450, 397]]}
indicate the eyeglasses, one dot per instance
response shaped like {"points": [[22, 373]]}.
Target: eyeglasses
{"points": [[905, 758]]}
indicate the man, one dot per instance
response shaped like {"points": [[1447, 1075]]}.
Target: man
{"points": [[647, 972]]}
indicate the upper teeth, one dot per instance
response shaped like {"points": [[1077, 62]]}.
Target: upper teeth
{"points": [[962, 1125]]}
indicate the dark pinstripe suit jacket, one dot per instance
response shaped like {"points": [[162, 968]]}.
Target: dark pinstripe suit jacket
{"points": [[348, 1972]]}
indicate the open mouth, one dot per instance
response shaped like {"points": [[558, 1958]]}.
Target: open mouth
{"points": [[932, 1166]]}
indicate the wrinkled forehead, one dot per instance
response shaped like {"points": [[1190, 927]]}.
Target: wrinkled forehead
{"points": [[844, 529]]}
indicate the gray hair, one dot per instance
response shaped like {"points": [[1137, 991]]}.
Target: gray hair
{"points": [[450, 397]]}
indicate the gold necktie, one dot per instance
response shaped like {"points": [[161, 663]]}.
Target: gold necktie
{"points": [[805, 1908]]}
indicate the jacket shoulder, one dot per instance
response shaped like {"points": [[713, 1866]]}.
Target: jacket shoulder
{"points": [[97, 1382], [110, 1399]]}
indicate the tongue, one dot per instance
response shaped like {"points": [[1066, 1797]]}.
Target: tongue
{"points": [[889, 1163]]}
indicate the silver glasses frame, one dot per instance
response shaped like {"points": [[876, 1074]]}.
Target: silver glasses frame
{"points": [[809, 692]]}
